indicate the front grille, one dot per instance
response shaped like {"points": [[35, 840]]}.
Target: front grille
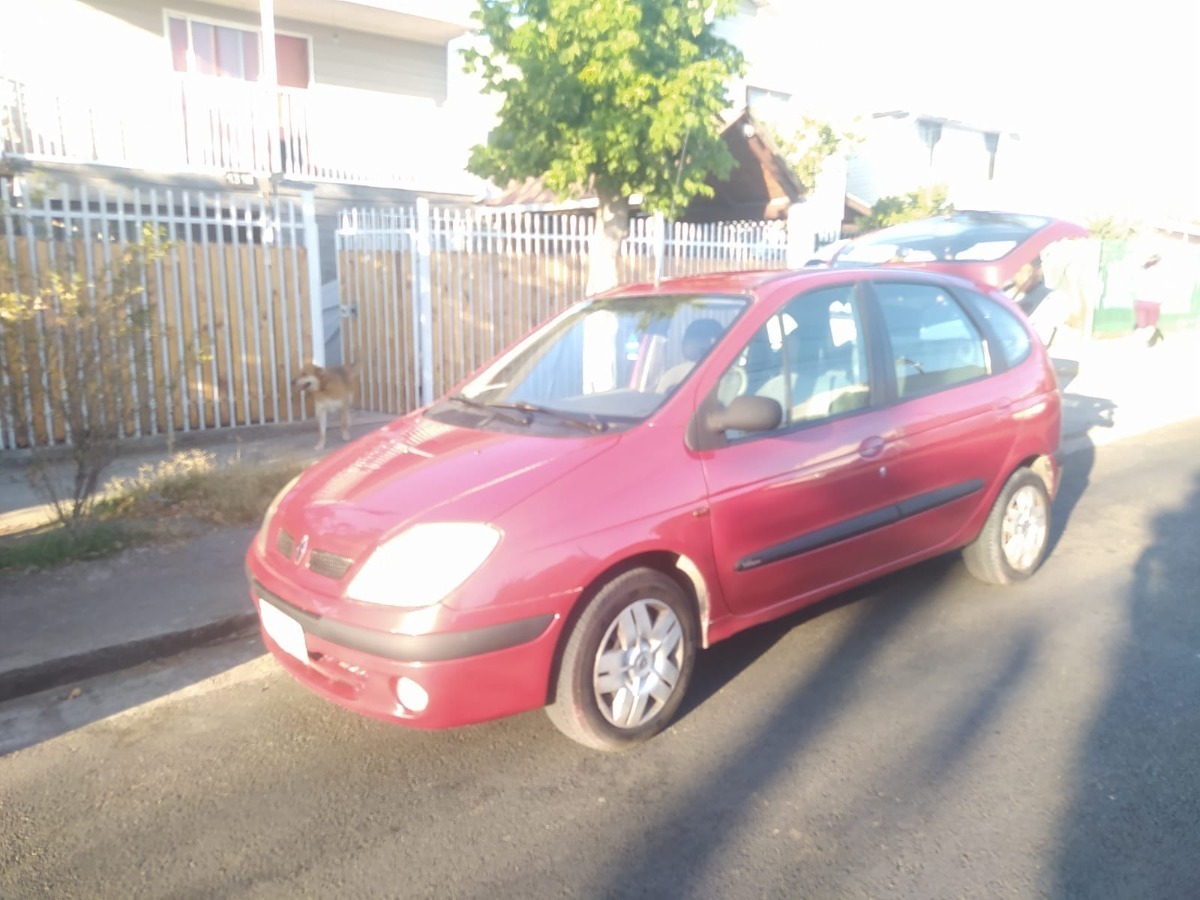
{"points": [[331, 565]]}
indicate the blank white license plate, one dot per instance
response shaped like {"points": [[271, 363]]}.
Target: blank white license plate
{"points": [[284, 631]]}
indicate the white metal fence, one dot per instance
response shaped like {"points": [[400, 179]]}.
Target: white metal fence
{"points": [[226, 313], [429, 295], [232, 309]]}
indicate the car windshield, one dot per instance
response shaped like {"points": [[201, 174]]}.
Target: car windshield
{"points": [[962, 238], [606, 363]]}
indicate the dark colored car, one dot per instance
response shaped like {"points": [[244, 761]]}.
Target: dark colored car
{"points": [[649, 473], [992, 249]]}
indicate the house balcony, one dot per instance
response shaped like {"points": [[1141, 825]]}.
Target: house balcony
{"points": [[184, 124]]}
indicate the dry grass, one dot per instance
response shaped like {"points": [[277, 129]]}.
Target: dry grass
{"points": [[176, 498]]}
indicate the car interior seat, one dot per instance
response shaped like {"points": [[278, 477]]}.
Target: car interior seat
{"points": [[698, 338], [803, 348]]}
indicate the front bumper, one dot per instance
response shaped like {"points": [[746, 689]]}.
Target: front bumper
{"points": [[469, 676]]}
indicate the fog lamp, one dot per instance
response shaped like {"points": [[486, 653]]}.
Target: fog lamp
{"points": [[411, 695]]}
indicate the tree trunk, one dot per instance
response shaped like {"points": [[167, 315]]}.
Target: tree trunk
{"points": [[612, 227]]}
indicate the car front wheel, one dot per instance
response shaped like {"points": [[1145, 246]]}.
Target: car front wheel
{"points": [[1016, 534], [627, 662]]}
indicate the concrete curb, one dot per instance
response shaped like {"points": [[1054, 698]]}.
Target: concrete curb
{"points": [[55, 673]]}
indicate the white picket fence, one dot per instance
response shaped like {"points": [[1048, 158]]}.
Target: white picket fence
{"points": [[428, 295]]}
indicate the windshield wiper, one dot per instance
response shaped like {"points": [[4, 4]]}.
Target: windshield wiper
{"points": [[592, 424], [503, 411]]}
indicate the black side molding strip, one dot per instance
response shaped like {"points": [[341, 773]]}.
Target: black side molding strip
{"points": [[925, 502], [859, 525], [407, 647]]}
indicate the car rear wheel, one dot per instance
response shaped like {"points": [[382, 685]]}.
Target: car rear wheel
{"points": [[1016, 534], [627, 662]]}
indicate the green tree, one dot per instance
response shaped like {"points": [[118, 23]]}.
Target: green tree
{"points": [[1112, 228], [805, 142], [920, 204], [622, 97]]}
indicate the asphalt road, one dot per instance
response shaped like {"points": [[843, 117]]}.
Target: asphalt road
{"points": [[924, 737]]}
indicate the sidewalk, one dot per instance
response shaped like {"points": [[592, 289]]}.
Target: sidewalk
{"points": [[88, 619], [21, 508], [1117, 388]]}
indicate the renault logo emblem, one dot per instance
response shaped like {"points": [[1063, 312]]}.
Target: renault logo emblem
{"points": [[301, 549]]}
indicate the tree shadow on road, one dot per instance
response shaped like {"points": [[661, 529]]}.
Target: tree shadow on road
{"points": [[673, 855], [1135, 801], [722, 663], [48, 714]]}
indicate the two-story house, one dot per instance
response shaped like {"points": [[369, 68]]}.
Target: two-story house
{"points": [[902, 151], [352, 92]]}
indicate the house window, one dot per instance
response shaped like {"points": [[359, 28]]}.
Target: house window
{"points": [[225, 51]]}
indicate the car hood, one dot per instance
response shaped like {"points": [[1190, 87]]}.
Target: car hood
{"points": [[417, 469]]}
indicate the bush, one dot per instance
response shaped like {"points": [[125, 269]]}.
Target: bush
{"points": [[71, 350], [921, 204]]}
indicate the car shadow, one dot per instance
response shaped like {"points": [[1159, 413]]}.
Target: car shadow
{"points": [[821, 683], [719, 665], [1080, 414]]}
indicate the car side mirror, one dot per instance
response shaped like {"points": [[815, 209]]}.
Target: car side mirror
{"points": [[746, 413]]}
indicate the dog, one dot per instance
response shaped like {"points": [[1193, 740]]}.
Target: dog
{"points": [[332, 389]]}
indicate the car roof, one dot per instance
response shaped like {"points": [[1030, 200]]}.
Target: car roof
{"points": [[725, 282], [749, 283], [975, 222], [959, 229]]}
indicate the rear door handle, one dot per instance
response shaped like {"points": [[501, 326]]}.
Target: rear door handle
{"points": [[871, 447]]}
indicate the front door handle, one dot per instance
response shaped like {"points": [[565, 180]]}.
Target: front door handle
{"points": [[871, 447]]}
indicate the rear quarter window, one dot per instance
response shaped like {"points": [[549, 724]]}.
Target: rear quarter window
{"points": [[1004, 324]]}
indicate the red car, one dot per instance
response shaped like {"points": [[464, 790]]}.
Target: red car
{"points": [[989, 248], [648, 473]]}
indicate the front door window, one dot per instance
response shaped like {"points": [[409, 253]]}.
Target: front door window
{"points": [[811, 358]]}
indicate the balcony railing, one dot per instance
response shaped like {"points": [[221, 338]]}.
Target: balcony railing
{"points": [[216, 126]]}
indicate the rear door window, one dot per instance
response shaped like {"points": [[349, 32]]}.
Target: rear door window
{"points": [[932, 342]]}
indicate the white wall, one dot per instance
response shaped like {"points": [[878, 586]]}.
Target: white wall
{"points": [[119, 41], [893, 159]]}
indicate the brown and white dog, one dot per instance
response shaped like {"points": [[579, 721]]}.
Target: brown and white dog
{"points": [[332, 389]]}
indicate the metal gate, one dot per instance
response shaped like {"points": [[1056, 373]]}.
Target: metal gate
{"points": [[429, 295]]}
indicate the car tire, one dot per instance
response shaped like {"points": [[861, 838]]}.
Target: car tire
{"points": [[627, 662], [1013, 541]]}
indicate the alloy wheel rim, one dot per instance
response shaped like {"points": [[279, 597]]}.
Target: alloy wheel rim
{"points": [[1023, 531], [638, 664]]}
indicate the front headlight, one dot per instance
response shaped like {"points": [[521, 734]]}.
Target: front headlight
{"points": [[422, 564], [261, 538]]}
